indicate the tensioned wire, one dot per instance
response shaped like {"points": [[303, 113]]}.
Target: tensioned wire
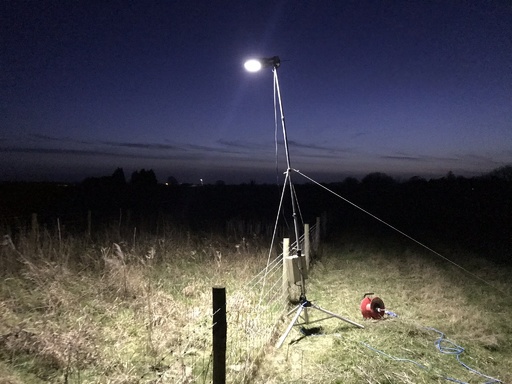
{"points": [[442, 344], [399, 231], [273, 237], [272, 267], [266, 271]]}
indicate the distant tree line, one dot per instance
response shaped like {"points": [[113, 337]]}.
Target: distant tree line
{"points": [[142, 178], [474, 212]]}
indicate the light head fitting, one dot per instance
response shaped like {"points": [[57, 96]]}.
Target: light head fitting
{"points": [[254, 65]]}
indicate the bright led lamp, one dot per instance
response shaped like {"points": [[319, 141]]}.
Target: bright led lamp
{"points": [[254, 65]]}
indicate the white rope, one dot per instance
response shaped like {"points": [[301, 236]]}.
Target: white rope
{"points": [[274, 234], [400, 232], [260, 276]]}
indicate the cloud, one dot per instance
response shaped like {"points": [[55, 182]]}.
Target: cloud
{"points": [[48, 145], [358, 135], [316, 147], [224, 147], [237, 144], [210, 149], [55, 151], [230, 157], [149, 146], [56, 139], [419, 158], [407, 158]]}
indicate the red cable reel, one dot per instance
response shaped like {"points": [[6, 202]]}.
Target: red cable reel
{"points": [[372, 308]]}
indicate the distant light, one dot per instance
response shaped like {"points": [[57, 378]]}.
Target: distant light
{"points": [[253, 65]]}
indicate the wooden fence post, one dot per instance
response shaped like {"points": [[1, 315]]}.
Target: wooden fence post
{"points": [[286, 255], [35, 232], [60, 236], [89, 223], [120, 221], [324, 224], [219, 331], [318, 226], [307, 246]]}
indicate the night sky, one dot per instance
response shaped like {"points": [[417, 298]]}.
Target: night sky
{"points": [[408, 88]]}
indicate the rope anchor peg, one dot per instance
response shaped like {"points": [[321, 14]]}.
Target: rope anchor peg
{"points": [[374, 308]]}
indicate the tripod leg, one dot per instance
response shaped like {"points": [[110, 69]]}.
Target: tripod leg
{"points": [[306, 315], [336, 316], [290, 326], [294, 309]]}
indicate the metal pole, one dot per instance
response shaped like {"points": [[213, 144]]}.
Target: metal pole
{"points": [[290, 184]]}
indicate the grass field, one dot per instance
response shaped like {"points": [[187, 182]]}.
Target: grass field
{"points": [[425, 292], [77, 311]]}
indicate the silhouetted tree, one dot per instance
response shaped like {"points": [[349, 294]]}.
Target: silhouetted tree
{"points": [[118, 177], [378, 179], [144, 178], [350, 181], [504, 173], [450, 176], [417, 180], [171, 180]]}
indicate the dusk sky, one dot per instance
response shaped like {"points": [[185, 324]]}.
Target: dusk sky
{"points": [[401, 87]]}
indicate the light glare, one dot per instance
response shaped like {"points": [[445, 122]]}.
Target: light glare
{"points": [[252, 65]]}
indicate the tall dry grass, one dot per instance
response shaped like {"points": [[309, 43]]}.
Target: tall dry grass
{"points": [[108, 309], [74, 310]]}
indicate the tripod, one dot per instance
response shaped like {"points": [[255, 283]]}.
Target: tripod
{"points": [[303, 307], [301, 310], [305, 304]]}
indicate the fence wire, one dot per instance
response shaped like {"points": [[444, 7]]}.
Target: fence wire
{"points": [[177, 324]]}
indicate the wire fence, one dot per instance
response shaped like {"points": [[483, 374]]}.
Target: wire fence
{"points": [[177, 322], [254, 313]]}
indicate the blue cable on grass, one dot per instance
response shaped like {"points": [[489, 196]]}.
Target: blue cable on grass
{"points": [[410, 361], [390, 313], [444, 346], [450, 348], [393, 357]]}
